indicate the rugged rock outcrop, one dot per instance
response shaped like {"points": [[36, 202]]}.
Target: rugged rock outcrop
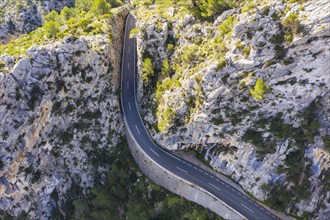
{"points": [[59, 119], [18, 17], [277, 145]]}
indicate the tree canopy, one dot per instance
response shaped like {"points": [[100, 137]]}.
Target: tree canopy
{"points": [[100, 7]]}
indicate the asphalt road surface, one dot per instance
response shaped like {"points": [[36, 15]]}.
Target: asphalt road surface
{"points": [[186, 170]]}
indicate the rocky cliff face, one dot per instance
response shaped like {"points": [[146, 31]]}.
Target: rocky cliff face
{"points": [[277, 146], [18, 17], [59, 119]]}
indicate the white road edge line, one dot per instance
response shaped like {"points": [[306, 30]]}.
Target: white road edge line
{"points": [[247, 208], [139, 114], [172, 156], [129, 106], [182, 169], [127, 85], [137, 129], [154, 152], [214, 186]]}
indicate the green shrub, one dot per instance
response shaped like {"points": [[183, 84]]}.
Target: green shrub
{"points": [[97, 28], [288, 37], [145, 2], [147, 70], [210, 8], [133, 32], [115, 3], [51, 16], [167, 119], [166, 69], [170, 47], [292, 1], [100, 7], [217, 120], [292, 24], [226, 26], [239, 45], [248, 6], [254, 137], [84, 24], [189, 54], [259, 89], [51, 28], [73, 22], [221, 63], [67, 13], [164, 85], [246, 51], [83, 5], [2, 66], [326, 141]]}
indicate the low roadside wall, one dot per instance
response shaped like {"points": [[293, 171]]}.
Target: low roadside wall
{"points": [[175, 184]]}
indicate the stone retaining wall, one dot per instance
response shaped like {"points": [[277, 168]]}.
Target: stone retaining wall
{"points": [[175, 184]]}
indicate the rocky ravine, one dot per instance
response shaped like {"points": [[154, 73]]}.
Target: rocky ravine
{"points": [[273, 148], [18, 17], [59, 118]]}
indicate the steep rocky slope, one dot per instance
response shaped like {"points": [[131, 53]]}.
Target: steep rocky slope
{"points": [[59, 120], [63, 152], [249, 90], [18, 17]]}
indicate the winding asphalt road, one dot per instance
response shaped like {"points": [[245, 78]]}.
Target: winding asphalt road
{"points": [[186, 170]]}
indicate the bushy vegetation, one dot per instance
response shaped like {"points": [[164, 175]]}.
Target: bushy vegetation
{"points": [[210, 8], [249, 5], [227, 25], [189, 54], [167, 118], [127, 194], [326, 142], [2, 66], [259, 89], [297, 168], [188, 60], [87, 18], [133, 32], [147, 70], [100, 7], [291, 26], [204, 9]]}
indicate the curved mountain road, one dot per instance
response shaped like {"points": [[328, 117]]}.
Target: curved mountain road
{"points": [[180, 167]]}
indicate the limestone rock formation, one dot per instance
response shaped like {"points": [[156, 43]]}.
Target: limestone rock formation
{"points": [[18, 17], [59, 119], [276, 145]]}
